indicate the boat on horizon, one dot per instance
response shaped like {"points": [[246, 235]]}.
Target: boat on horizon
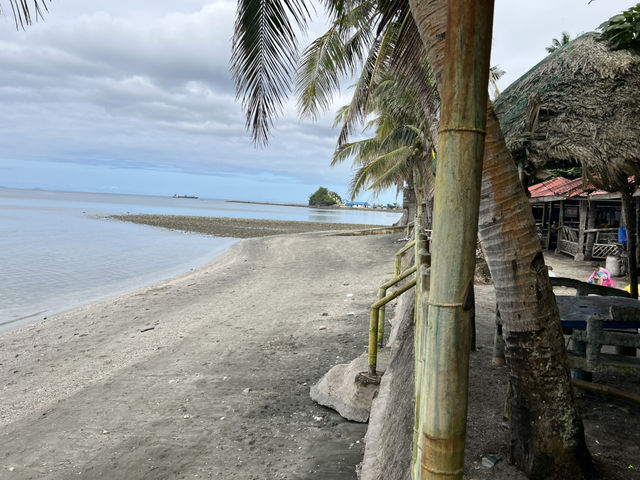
{"points": [[184, 196]]}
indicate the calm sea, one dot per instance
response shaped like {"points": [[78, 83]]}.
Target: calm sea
{"points": [[58, 252]]}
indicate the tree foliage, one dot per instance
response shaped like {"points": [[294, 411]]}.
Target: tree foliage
{"points": [[623, 30], [324, 197], [556, 44]]}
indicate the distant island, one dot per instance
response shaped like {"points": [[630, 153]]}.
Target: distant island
{"points": [[184, 196]]}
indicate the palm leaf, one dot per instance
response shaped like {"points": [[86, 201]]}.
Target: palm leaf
{"points": [[263, 58], [373, 67], [378, 167], [23, 14], [332, 56]]}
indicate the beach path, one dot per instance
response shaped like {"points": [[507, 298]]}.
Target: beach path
{"points": [[203, 376]]}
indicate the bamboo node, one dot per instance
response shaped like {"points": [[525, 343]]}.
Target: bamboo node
{"points": [[445, 305], [448, 473]]}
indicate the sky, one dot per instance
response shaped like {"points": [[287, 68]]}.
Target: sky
{"points": [[137, 97]]}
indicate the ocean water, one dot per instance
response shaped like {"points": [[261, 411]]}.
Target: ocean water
{"points": [[57, 251]]}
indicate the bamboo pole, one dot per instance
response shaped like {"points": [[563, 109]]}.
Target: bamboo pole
{"points": [[399, 254], [418, 328], [382, 292], [444, 386], [373, 324]]}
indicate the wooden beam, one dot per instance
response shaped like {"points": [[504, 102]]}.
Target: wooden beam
{"points": [[579, 257]]}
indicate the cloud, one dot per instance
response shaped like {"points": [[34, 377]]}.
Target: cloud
{"points": [[147, 89], [147, 85]]}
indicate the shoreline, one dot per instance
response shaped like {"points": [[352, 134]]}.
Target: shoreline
{"points": [[221, 227], [205, 374]]}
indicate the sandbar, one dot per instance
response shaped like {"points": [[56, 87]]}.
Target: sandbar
{"points": [[237, 227]]}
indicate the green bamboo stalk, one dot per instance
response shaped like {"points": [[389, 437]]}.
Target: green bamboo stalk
{"points": [[418, 326], [382, 292], [373, 324], [399, 254], [443, 387]]}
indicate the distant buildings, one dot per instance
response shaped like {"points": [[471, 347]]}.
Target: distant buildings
{"points": [[357, 204]]}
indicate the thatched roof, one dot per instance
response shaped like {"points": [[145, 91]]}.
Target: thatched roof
{"points": [[579, 104]]}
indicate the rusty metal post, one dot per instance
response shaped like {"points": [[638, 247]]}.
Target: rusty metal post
{"points": [[444, 386]]}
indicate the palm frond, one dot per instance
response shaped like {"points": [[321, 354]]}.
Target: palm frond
{"points": [[373, 67], [396, 174], [379, 166], [362, 151], [23, 14], [332, 56], [263, 58]]}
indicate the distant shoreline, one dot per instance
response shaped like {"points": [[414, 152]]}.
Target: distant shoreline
{"points": [[330, 207]]}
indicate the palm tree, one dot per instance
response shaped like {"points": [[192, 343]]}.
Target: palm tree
{"points": [[401, 148], [402, 93], [548, 442], [556, 44]]}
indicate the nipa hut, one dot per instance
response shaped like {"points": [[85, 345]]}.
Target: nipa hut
{"points": [[580, 105]]}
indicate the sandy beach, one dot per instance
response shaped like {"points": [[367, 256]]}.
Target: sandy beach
{"points": [[203, 376], [207, 375]]}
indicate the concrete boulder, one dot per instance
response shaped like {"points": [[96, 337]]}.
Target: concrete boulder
{"points": [[339, 390]]}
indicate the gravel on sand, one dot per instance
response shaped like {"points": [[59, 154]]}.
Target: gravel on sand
{"points": [[237, 227]]}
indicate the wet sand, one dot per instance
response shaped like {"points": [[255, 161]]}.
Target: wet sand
{"points": [[237, 227]]}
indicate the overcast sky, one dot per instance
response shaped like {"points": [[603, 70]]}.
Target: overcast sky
{"points": [[136, 97]]}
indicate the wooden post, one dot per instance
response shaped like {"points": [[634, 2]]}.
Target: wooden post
{"points": [[443, 386], [629, 221], [548, 242], [560, 224], [544, 219], [579, 257], [591, 236]]}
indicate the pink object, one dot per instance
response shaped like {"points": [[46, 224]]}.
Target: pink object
{"points": [[607, 281]]}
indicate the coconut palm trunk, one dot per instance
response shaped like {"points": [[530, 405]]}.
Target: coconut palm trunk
{"points": [[547, 434]]}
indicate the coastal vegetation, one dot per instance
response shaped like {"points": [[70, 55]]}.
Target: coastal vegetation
{"points": [[623, 30], [324, 198]]}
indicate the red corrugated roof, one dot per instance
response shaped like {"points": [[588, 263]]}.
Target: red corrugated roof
{"points": [[563, 187]]}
